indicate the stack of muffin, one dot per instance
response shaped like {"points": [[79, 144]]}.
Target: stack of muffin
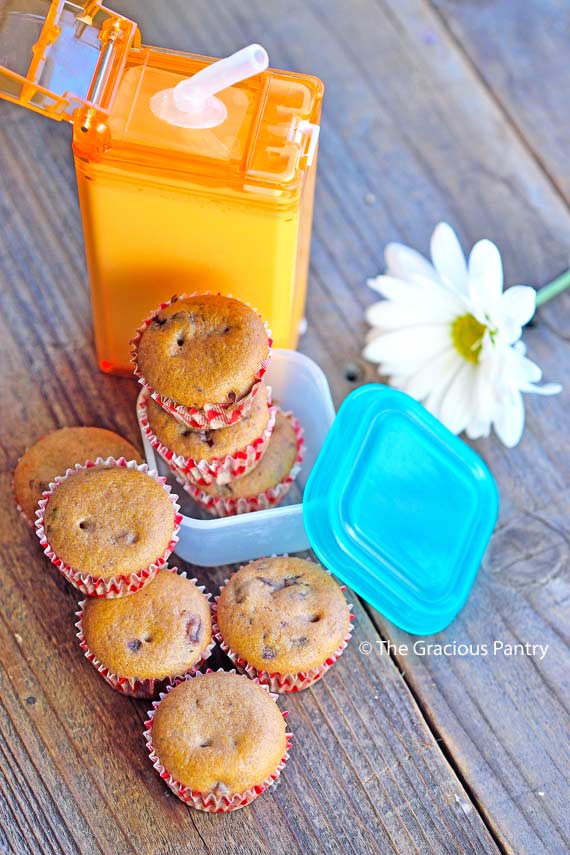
{"points": [[109, 524], [205, 408]]}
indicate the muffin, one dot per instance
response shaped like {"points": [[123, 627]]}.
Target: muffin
{"points": [[210, 456], [284, 621], [201, 357], [218, 739], [59, 451], [108, 527], [138, 643], [266, 484]]}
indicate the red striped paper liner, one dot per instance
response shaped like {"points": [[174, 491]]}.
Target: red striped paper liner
{"points": [[134, 686], [213, 415], [210, 802], [116, 586], [276, 682], [218, 470], [227, 506]]}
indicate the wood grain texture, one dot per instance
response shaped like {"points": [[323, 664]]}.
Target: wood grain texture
{"points": [[519, 50], [410, 135]]}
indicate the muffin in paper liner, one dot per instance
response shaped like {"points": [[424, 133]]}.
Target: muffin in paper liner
{"points": [[228, 506], [212, 415], [135, 687], [275, 682], [210, 802], [218, 470], [116, 586]]}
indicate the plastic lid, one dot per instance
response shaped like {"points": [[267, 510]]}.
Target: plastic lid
{"points": [[56, 56], [400, 509]]}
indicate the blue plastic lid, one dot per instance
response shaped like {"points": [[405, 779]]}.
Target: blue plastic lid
{"points": [[400, 509]]}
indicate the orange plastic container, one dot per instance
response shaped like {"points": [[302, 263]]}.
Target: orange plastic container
{"points": [[168, 209]]}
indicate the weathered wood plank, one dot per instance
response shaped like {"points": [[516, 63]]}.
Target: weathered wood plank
{"points": [[407, 122]]}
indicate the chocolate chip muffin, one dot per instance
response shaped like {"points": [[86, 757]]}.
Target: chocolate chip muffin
{"points": [[212, 455], [283, 616], [59, 451], [220, 737], [267, 483], [203, 349], [137, 642], [109, 522]]}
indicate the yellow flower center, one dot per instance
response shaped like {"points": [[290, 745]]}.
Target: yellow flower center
{"points": [[467, 337]]}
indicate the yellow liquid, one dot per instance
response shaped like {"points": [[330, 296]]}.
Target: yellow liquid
{"points": [[151, 233]]}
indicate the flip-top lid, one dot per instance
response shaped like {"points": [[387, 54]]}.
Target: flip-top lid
{"points": [[400, 509], [266, 142], [56, 55]]}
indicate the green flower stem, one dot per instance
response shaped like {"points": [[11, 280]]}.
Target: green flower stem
{"points": [[553, 289]]}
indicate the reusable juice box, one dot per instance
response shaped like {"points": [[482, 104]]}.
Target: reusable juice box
{"points": [[169, 209]]}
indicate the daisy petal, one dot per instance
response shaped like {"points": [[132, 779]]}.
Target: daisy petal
{"points": [[458, 404], [448, 258], [486, 276], [388, 315], [403, 261], [517, 308], [405, 350], [428, 376], [546, 389], [421, 296], [434, 401], [478, 428], [509, 418]]}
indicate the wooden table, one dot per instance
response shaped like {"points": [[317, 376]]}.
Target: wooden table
{"points": [[435, 109]]}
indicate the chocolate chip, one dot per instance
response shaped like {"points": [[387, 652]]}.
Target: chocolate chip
{"points": [[180, 341], [193, 628], [314, 618], [85, 525], [277, 585], [268, 653], [232, 397], [205, 743], [300, 642], [158, 322], [206, 436], [30, 700], [291, 580], [134, 645]]}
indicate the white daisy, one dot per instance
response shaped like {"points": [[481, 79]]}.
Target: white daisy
{"points": [[448, 335]]}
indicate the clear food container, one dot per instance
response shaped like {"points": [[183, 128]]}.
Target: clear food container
{"points": [[298, 384]]}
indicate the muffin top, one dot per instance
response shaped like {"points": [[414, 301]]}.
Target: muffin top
{"points": [[273, 467], [109, 521], [283, 615], [208, 444], [160, 631], [59, 451], [203, 349], [219, 733]]}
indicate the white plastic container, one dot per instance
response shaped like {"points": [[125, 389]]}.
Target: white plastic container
{"points": [[299, 385]]}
